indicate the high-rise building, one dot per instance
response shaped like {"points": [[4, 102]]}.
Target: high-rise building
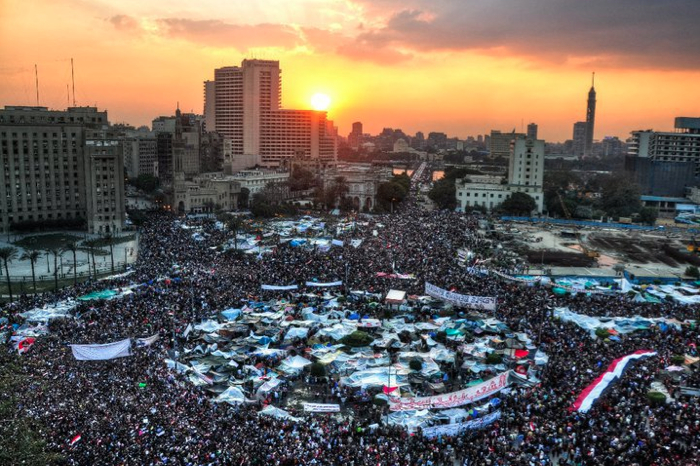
{"points": [[60, 166], [579, 138], [247, 111], [590, 120], [666, 163], [532, 130]]}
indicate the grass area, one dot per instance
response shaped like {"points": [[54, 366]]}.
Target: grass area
{"points": [[47, 241]]}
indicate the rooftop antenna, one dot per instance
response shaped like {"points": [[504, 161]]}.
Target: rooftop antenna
{"points": [[593, 80], [36, 76], [67, 96], [72, 77]]}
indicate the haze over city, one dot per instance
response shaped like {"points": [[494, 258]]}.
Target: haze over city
{"points": [[463, 68]]}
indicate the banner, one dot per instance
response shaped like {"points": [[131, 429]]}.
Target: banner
{"points": [[614, 371], [474, 302], [337, 242], [141, 342], [118, 349], [324, 284], [517, 279], [451, 430], [400, 276], [356, 243], [454, 399], [321, 408], [279, 288]]}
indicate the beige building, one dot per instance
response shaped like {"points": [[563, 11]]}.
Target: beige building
{"points": [[525, 174], [60, 166], [247, 111], [205, 193]]}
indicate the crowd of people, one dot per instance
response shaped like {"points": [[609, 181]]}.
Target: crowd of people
{"points": [[137, 411]]}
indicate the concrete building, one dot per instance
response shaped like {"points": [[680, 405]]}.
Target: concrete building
{"points": [[363, 182], [256, 180], [247, 110], [532, 130], [525, 174], [205, 193], [140, 154], [355, 136], [579, 139], [60, 166], [666, 163], [499, 143]]}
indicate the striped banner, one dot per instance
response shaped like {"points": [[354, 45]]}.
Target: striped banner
{"points": [[614, 371]]}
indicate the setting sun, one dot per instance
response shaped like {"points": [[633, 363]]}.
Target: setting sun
{"points": [[320, 102]]}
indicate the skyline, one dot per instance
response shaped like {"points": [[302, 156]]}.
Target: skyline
{"points": [[448, 66]]}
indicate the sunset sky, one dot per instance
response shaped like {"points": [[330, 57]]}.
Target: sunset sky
{"points": [[463, 67]]}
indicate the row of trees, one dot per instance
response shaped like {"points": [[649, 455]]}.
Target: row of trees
{"points": [[9, 254], [590, 196]]}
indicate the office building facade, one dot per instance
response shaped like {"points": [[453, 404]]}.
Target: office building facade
{"points": [[60, 166]]}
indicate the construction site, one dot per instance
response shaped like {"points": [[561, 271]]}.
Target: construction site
{"points": [[604, 251]]}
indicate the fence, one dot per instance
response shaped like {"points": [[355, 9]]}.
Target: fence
{"points": [[102, 269], [584, 223]]}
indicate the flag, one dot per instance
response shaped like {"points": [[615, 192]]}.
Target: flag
{"points": [[23, 346], [388, 390], [75, 440]]}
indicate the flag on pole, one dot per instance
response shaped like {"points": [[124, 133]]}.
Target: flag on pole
{"points": [[388, 390], [75, 440]]}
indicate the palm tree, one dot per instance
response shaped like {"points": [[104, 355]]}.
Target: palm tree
{"points": [[56, 253], [73, 247], [234, 224], [110, 242], [8, 254], [32, 256]]}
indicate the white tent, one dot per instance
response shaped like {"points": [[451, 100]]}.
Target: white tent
{"points": [[270, 410], [232, 395], [294, 364]]}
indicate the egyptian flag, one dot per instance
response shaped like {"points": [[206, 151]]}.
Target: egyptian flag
{"points": [[614, 371], [388, 390], [75, 440], [24, 345]]}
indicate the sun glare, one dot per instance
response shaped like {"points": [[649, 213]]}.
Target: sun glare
{"points": [[320, 102]]}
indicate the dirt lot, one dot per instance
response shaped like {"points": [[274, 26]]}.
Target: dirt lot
{"points": [[545, 245]]}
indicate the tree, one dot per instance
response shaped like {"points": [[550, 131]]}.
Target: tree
{"points": [[32, 256], [301, 179], [234, 224], [693, 272], [73, 247], [339, 189], [56, 254], [8, 254], [443, 194], [389, 193], [244, 197], [648, 215], [620, 196], [519, 204]]}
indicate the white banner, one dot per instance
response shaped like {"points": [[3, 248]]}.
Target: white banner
{"points": [[517, 279], [140, 342], [456, 429], [324, 284], [474, 302], [321, 408], [454, 399], [279, 288], [118, 349]]}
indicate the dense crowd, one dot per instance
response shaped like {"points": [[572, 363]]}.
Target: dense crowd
{"points": [[137, 411]]}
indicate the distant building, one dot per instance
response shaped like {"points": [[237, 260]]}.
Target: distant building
{"points": [[500, 143], [205, 194], [579, 139], [525, 174], [140, 154], [61, 165], [532, 131], [612, 146], [355, 136], [247, 111]]}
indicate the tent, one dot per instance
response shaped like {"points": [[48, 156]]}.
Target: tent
{"points": [[395, 298], [294, 364], [270, 410]]}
